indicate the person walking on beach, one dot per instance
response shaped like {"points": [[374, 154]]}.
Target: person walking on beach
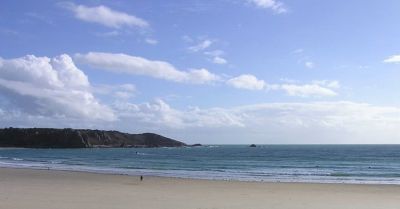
{"points": [[141, 178]]}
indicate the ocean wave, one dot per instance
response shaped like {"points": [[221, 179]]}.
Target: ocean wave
{"points": [[142, 153], [277, 163], [338, 174], [56, 161], [210, 175]]}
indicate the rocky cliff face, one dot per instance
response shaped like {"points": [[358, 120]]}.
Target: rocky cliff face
{"points": [[80, 138]]}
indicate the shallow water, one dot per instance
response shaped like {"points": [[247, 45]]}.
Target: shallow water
{"points": [[371, 164]]}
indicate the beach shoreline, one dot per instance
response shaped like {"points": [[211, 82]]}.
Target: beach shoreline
{"points": [[31, 188], [286, 163], [151, 175]]}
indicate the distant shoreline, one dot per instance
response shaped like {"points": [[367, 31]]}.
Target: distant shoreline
{"points": [[81, 138]]}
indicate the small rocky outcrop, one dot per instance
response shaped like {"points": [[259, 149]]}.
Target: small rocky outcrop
{"points": [[80, 138], [252, 145]]}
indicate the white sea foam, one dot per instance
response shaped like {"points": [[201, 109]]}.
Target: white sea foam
{"points": [[207, 175]]}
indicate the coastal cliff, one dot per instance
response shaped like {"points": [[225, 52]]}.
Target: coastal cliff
{"points": [[80, 138]]}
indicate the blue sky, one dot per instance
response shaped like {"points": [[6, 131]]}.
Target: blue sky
{"points": [[224, 71]]}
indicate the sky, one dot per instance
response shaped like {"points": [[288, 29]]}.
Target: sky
{"points": [[205, 71]]}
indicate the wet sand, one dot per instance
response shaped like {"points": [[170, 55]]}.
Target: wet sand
{"points": [[47, 189]]}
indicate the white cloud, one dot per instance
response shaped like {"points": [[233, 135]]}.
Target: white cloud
{"points": [[311, 122], [307, 90], [187, 39], [246, 81], [201, 76], [49, 87], [219, 60], [215, 53], [288, 80], [151, 41], [333, 84], [108, 34], [317, 88], [303, 58], [216, 56], [328, 83], [393, 59], [277, 6], [123, 63], [128, 87], [161, 114], [309, 65], [124, 95], [315, 122], [120, 92], [105, 16], [201, 46], [298, 51]]}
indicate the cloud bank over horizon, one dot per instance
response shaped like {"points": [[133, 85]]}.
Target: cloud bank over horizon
{"points": [[54, 92]]}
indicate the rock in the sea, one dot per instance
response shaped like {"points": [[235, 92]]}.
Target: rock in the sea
{"points": [[196, 145], [252, 145], [80, 138]]}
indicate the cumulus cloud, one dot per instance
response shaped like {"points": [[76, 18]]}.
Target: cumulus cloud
{"points": [[216, 56], [274, 5], [309, 65], [315, 89], [215, 53], [328, 83], [333, 120], [201, 46], [310, 122], [123, 63], [246, 81], [330, 114], [393, 59], [307, 90], [163, 115], [219, 60], [298, 51], [151, 41], [108, 34], [120, 91], [201, 76], [52, 87], [314, 122], [105, 16]]}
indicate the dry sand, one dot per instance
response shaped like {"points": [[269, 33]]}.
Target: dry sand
{"points": [[42, 189]]}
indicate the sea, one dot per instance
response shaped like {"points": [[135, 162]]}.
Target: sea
{"points": [[355, 164]]}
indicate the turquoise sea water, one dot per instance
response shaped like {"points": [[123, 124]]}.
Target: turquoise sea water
{"points": [[370, 164]]}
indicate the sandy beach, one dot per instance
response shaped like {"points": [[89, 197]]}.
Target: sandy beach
{"points": [[43, 189]]}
